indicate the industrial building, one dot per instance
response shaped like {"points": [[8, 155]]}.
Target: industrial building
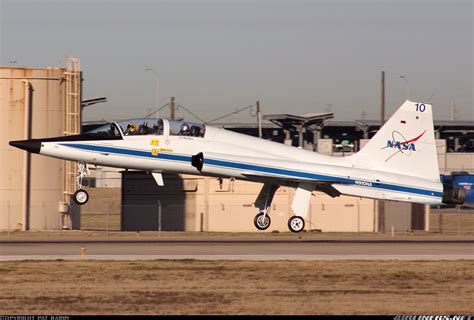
{"points": [[37, 102]]}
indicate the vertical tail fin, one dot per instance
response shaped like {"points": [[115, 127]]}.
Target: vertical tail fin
{"points": [[404, 145]]}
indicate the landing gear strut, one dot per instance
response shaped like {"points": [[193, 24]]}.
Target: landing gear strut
{"points": [[81, 196], [262, 220]]}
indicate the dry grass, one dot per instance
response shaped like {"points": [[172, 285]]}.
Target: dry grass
{"points": [[237, 287]]}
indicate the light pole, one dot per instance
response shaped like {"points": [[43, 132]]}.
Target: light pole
{"points": [[157, 93], [407, 89]]}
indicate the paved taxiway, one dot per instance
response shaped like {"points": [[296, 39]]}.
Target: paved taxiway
{"points": [[214, 249]]}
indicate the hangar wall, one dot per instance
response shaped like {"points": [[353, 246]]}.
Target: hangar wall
{"points": [[194, 203]]}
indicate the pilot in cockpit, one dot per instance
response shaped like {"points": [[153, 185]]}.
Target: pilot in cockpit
{"points": [[131, 129], [184, 131], [143, 129], [158, 128]]}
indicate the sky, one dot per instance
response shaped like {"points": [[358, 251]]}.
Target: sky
{"points": [[216, 56]]}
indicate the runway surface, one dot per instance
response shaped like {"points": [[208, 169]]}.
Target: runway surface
{"points": [[237, 249]]}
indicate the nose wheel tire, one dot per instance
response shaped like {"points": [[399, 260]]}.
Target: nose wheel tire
{"points": [[296, 224], [80, 197], [261, 222]]}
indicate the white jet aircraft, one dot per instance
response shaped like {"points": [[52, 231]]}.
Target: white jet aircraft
{"points": [[399, 163]]}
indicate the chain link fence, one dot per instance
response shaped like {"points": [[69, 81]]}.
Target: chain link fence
{"points": [[112, 215]]}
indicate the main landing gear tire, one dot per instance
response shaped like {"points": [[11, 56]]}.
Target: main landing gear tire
{"points": [[80, 197], [296, 224], [262, 223]]}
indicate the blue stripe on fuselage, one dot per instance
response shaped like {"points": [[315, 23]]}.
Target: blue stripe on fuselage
{"points": [[252, 167], [313, 176]]}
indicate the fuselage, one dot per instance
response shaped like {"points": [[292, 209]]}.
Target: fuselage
{"points": [[230, 154]]}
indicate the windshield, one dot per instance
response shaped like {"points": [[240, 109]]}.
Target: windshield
{"points": [[107, 130]]}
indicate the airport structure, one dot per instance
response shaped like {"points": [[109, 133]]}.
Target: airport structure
{"points": [[196, 203], [35, 191]]}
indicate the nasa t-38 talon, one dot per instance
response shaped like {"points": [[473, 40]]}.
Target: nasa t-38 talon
{"points": [[399, 163]]}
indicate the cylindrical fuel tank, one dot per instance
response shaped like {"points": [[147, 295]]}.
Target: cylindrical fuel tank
{"points": [[41, 92]]}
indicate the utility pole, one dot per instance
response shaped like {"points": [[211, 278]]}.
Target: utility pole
{"points": [[382, 102], [259, 120], [172, 108], [381, 203]]}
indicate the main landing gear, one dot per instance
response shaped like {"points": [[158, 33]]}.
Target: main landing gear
{"points": [[262, 220], [296, 224], [81, 196]]}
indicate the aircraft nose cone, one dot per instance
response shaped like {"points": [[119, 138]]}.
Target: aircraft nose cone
{"points": [[33, 146]]}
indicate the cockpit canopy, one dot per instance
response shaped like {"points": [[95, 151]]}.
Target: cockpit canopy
{"points": [[184, 128], [147, 126]]}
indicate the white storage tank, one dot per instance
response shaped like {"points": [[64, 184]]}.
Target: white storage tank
{"points": [[31, 186]]}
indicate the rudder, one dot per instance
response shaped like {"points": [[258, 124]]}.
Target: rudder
{"points": [[405, 144]]}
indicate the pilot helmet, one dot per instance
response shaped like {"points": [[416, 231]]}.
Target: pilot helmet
{"points": [[131, 127], [184, 128]]}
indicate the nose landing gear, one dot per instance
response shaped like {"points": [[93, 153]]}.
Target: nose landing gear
{"points": [[81, 196]]}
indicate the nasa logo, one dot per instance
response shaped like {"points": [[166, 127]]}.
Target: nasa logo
{"points": [[401, 144]]}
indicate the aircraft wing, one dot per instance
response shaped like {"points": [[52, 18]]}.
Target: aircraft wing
{"points": [[323, 186]]}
